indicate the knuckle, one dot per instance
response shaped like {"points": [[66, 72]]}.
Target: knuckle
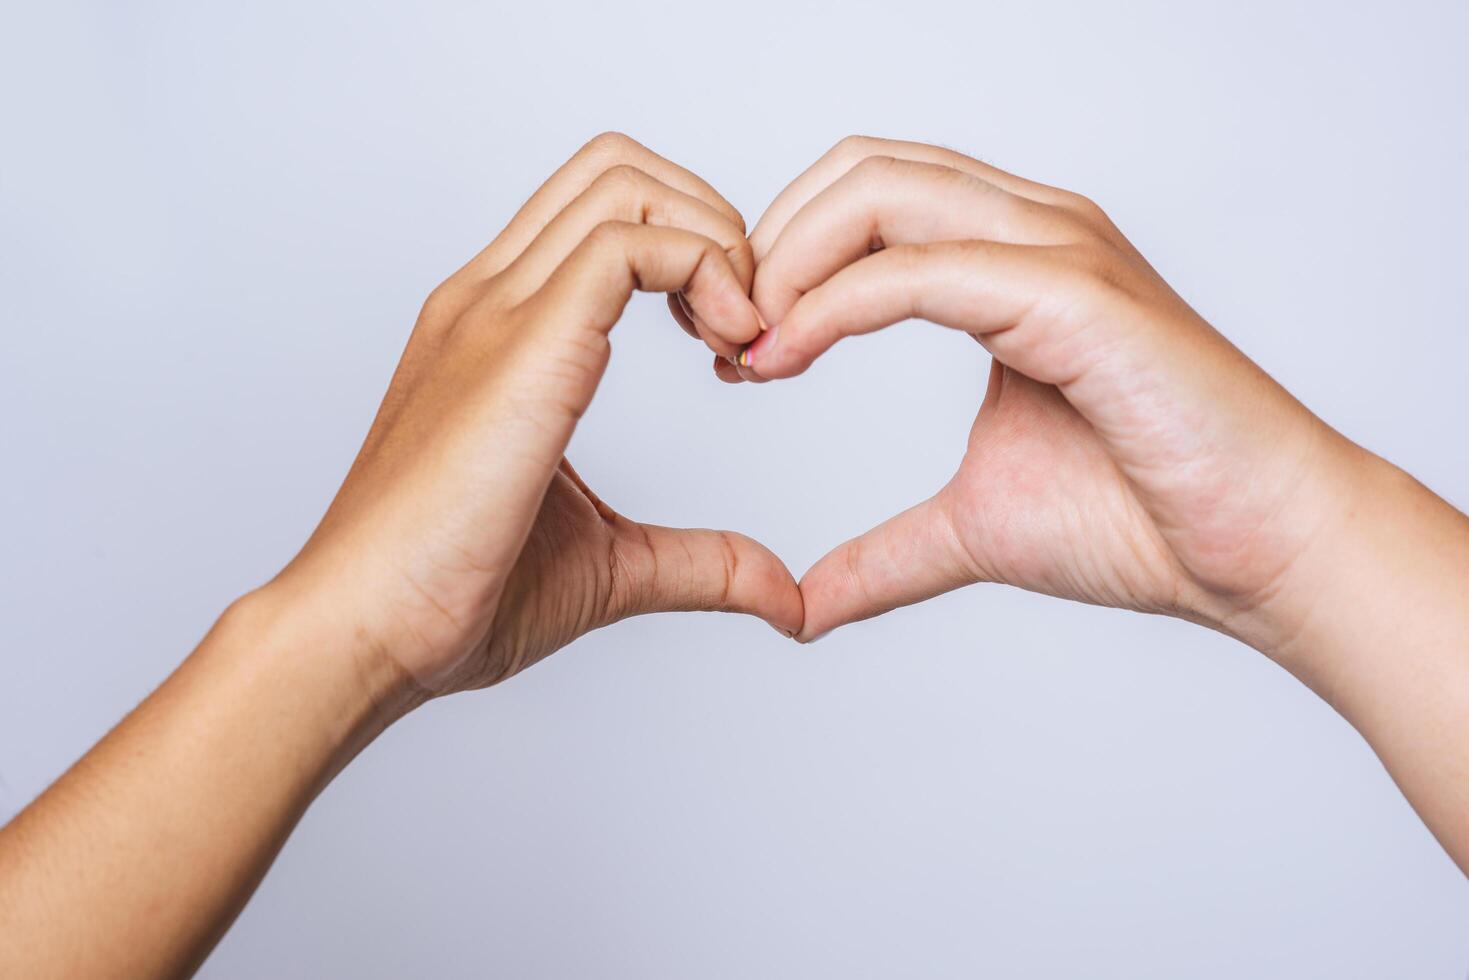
{"points": [[621, 183], [1089, 213], [1096, 268], [1070, 225], [622, 177], [855, 147], [1082, 205], [440, 304], [874, 168], [610, 145], [611, 238], [735, 218], [608, 233], [741, 253]]}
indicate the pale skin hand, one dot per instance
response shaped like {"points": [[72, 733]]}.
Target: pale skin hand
{"points": [[460, 549], [1125, 453]]}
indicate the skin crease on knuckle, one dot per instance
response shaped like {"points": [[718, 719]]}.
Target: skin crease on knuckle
{"points": [[875, 171], [855, 148], [623, 193], [630, 195], [612, 149], [607, 149]]}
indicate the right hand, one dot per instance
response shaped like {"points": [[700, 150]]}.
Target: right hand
{"points": [[462, 546], [1125, 453]]}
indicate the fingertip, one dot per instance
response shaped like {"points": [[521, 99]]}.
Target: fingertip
{"points": [[770, 357], [726, 371], [833, 594], [763, 586], [748, 374], [725, 313]]}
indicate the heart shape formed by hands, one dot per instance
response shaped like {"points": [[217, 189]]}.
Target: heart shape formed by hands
{"points": [[1117, 457]]}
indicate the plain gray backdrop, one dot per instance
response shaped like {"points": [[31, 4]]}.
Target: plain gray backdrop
{"points": [[217, 222]]}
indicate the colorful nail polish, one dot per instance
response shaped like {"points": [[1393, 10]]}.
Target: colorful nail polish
{"points": [[761, 347]]}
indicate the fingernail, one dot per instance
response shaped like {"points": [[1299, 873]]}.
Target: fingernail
{"points": [[760, 348], [788, 634]]}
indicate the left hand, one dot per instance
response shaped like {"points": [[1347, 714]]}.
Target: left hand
{"points": [[1125, 453]]}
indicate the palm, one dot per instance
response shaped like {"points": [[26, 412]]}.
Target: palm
{"points": [[1038, 503], [585, 566], [562, 583]]}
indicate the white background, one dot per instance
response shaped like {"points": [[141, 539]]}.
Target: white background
{"points": [[217, 222]]}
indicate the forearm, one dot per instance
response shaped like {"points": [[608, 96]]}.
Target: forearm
{"points": [[137, 859], [1380, 629]]}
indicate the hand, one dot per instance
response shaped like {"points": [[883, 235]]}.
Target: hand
{"points": [[462, 544], [1125, 453]]}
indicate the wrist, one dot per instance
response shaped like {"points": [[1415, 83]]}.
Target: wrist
{"points": [[314, 649], [1381, 583]]}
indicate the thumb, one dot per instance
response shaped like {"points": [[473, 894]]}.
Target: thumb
{"points": [[667, 569], [906, 559]]}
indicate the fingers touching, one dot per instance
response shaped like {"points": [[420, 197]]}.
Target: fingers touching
{"points": [[625, 193], [602, 153], [881, 231], [611, 180], [591, 287], [908, 558]]}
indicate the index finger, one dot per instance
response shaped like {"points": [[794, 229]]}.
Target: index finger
{"points": [[854, 149], [598, 155]]}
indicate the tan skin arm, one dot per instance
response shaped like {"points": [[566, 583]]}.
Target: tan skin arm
{"points": [[137, 860], [461, 548]]}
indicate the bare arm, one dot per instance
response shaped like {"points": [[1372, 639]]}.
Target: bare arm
{"points": [[1125, 454], [1381, 632], [461, 549], [137, 860]]}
